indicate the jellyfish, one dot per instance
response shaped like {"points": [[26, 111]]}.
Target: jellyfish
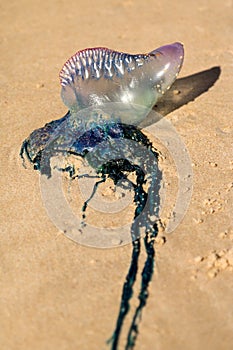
{"points": [[108, 94]]}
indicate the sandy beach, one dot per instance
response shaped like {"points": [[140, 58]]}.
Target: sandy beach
{"points": [[57, 294]]}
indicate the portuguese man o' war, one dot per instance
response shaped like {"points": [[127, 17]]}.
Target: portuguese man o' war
{"points": [[108, 95], [94, 77]]}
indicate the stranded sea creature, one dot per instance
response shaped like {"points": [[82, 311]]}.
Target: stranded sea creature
{"points": [[96, 77], [108, 94]]}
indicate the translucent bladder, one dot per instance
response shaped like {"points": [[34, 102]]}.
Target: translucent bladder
{"points": [[97, 76]]}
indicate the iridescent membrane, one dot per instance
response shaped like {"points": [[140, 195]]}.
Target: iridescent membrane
{"points": [[94, 77]]}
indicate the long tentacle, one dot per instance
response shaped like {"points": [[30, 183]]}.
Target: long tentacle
{"points": [[140, 198], [126, 294], [147, 274], [151, 233]]}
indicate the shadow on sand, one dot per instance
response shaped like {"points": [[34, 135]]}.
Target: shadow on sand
{"points": [[182, 92]]}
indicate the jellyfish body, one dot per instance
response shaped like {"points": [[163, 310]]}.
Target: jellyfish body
{"points": [[98, 78], [94, 77], [108, 94]]}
